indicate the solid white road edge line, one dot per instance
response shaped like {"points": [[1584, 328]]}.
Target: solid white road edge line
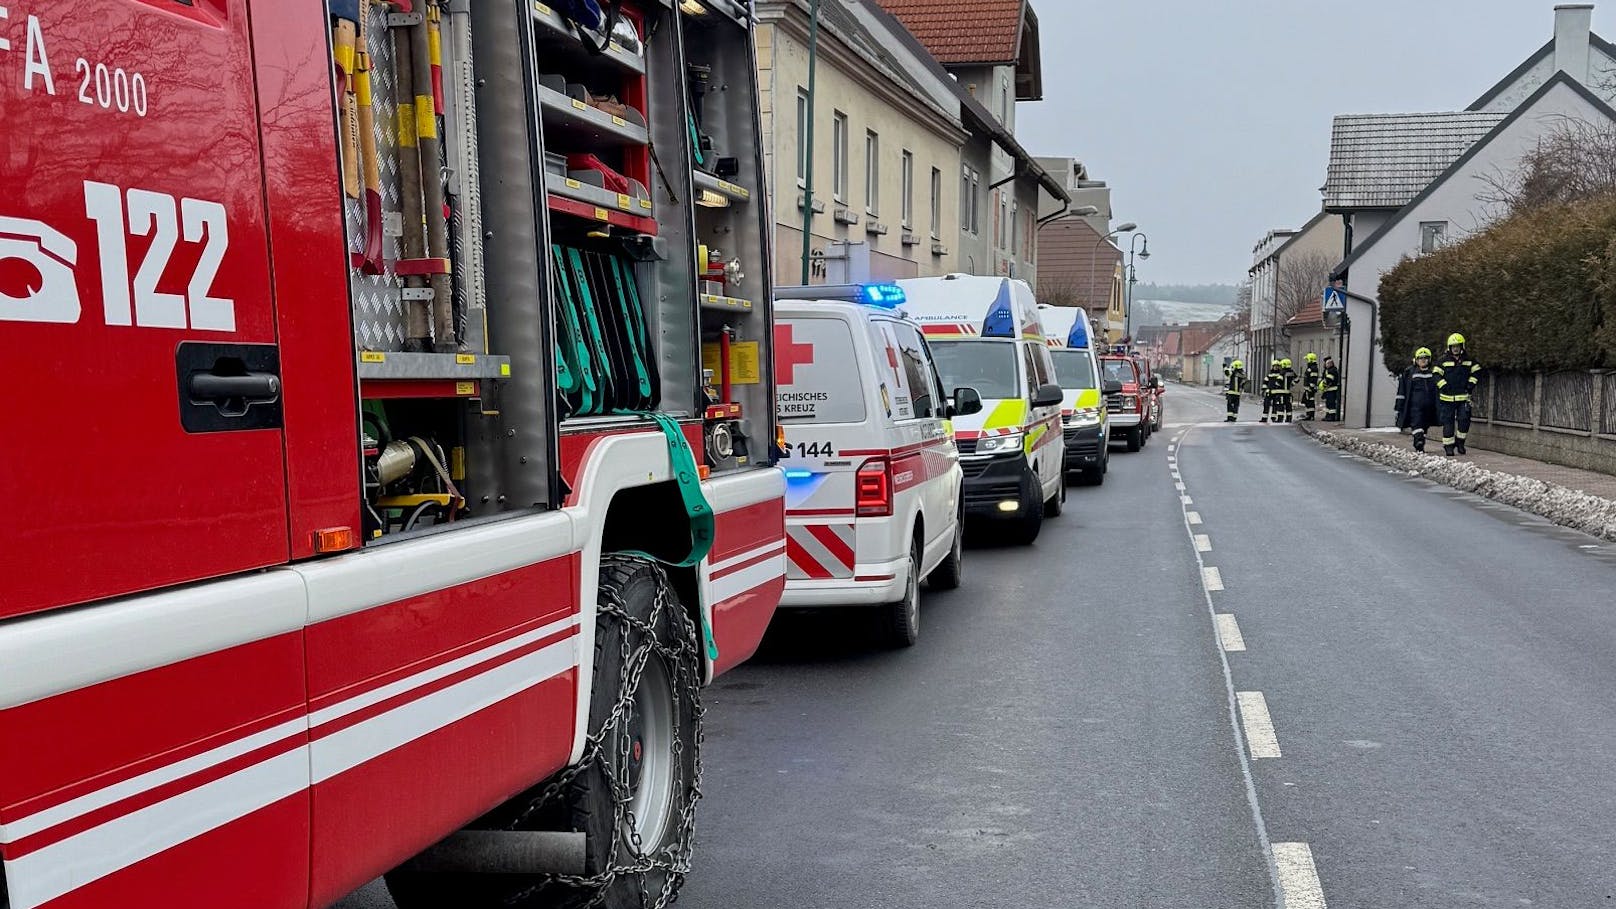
{"points": [[1232, 705], [1298, 877], [1258, 724], [1229, 633]]}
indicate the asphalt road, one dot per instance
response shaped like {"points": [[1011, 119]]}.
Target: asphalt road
{"points": [[1435, 670]]}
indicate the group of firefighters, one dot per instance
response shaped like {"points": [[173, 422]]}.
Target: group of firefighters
{"points": [[1428, 394], [1316, 382]]}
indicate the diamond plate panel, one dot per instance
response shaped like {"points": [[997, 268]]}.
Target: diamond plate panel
{"points": [[378, 310]]}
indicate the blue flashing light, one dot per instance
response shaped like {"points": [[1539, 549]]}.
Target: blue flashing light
{"points": [[1001, 320], [887, 296], [799, 475], [1079, 338]]}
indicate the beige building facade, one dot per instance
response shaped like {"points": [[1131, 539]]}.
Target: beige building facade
{"points": [[886, 155]]}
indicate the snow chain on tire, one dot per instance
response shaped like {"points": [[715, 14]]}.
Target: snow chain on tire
{"points": [[684, 661]]}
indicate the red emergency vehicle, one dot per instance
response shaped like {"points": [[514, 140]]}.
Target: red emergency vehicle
{"points": [[392, 457]]}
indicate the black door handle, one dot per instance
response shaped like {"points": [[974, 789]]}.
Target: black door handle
{"points": [[254, 386], [229, 387]]}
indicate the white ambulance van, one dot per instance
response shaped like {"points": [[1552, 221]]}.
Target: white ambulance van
{"points": [[1086, 430], [985, 334], [873, 480]]}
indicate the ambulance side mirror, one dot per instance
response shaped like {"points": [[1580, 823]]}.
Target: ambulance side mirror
{"points": [[966, 402], [1049, 395], [1112, 387]]}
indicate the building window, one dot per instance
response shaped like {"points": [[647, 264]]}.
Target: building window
{"points": [[936, 204], [872, 172], [838, 160], [970, 204], [908, 168], [802, 137], [1432, 235]]}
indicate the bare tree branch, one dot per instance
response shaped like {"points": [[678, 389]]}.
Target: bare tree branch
{"points": [[1574, 160], [1301, 280]]}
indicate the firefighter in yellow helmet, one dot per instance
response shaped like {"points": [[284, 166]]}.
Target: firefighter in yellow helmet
{"points": [[1456, 377], [1287, 403], [1232, 387], [1310, 386], [1273, 381], [1416, 397], [1330, 390]]}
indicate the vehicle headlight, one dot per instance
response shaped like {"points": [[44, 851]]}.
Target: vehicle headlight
{"points": [[998, 444], [1085, 416]]}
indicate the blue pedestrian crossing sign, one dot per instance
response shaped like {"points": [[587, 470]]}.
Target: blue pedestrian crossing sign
{"points": [[1335, 299]]}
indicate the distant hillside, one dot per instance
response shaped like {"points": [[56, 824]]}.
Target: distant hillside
{"points": [[1221, 294], [1174, 312]]}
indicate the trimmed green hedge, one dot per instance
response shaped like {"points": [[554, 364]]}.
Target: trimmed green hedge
{"points": [[1528, 293]]}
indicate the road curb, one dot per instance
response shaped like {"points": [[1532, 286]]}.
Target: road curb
{"points": [[1562, 505]]}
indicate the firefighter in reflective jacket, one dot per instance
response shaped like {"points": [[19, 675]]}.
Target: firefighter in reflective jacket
{"points": [[1417, 398], [1287, 403], [1330, 389], [1456, 377], [1232, 387], [1272, 382], [1310, 386]]}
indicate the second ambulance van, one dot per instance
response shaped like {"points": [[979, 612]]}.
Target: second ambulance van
{"points": [[985, 334]]}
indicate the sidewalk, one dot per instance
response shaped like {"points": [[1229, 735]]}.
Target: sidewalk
{"points": [[1581, 499]]}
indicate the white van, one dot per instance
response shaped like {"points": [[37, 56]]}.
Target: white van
{"points": [[872, 477], [985, 334], [1077, 371]]}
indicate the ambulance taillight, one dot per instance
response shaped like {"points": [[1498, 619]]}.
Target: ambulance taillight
{"points": [[874, 488]]}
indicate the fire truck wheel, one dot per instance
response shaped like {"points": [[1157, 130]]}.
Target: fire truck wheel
{"points": [[636, 799], [901, 620], [946, 576], [634, 792], [1136, 439]]}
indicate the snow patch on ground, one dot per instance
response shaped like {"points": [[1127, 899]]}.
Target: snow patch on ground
{"points": [[1567, 507]]}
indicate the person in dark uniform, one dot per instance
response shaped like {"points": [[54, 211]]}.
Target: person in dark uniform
{"points": [[1287, 403], [1232, 387], [1270, 388], [1330, 390], [1417, 398], [1456, 378], [1310, 386]]}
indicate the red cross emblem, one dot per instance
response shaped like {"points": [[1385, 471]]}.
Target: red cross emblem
{"points": [[788, 355]]}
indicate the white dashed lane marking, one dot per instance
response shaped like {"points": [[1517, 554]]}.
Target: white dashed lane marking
{"points": [[1203, 543], [1185, 500], [1298, 878], [1229, 633], [1211, 579], [1194, 517], [1259, 725]]}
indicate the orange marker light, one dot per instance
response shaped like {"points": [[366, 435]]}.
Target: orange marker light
{"points": [[335, 539]]}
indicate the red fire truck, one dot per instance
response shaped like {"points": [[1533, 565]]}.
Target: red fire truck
{"points": [[400, 455]]}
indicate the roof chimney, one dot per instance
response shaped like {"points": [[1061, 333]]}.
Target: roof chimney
{"points": [[1573, 22]]}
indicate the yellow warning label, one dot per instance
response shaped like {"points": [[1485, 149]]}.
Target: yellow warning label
{"points": [[465, 388], [466, 359], [745, 362], [573, 184], [602, 214], [579, 104], [645, 204], [372, 356], [623, 201], [504, 369], [619, 121], [541, 9]]}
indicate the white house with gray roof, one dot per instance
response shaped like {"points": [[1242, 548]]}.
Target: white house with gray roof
{"points": [[1405, 184]]}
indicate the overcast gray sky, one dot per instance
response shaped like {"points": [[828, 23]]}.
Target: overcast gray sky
{"points": [[1211, 120]]}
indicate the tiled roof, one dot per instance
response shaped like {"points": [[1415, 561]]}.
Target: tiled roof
{"points": [[1311, 314], [964, 31], [1073, 260], [1384, 160]]}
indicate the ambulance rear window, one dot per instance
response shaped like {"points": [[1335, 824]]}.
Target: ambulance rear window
{"points": [[816, 374]]}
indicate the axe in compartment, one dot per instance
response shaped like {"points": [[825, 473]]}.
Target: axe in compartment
{"points": [[418, 329], [432, 194], [344, 33], [370, 261]]}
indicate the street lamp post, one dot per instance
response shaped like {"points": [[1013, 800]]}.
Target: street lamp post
{"points": [[1133, 278], [1094, 256]]}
